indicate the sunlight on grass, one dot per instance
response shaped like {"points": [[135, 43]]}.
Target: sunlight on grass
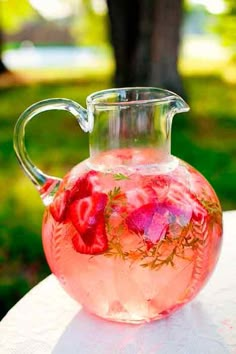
{"points": [[97, 72], [202, 67]]}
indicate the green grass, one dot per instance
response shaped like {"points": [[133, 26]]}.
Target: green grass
{"points": [[205, 138]]}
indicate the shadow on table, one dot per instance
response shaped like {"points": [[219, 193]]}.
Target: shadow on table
{"points": [[188, 331]]}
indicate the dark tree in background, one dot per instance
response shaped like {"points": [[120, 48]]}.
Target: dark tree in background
{"points": [[3, 68], [145, 36]]}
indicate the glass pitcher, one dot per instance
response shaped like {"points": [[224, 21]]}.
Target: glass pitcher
{"points": [[132, 233]]}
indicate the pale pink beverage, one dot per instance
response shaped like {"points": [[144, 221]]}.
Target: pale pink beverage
{"points": [[132, 233], [130, 239]]}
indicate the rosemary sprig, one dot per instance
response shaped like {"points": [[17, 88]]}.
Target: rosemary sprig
{"points": [[177, 243], [120, 177], [115, 197], [213, 210], [115, 249], [153, 258]]}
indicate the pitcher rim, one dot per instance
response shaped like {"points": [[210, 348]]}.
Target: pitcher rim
{"points": [[169, 96]]}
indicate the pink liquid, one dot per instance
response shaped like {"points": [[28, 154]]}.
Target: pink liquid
{"points": [[158, 235]]}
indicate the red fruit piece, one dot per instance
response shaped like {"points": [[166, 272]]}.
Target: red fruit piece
{"points": [[150, 220], [159, 186], [93, 241], [199, 212], [87, 216], [81, 188], [139, 196], [149, 244], [58, 207], [158, 227], [85, 186], [87, 212], [139, 220], [48, 186], [180, 213]]}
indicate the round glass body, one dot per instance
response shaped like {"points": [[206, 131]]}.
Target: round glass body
{"points": [[135, 242]]}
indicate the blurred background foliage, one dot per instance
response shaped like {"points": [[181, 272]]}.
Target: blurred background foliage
{"points": [[226, 26], [62, 48], [15, 13]]}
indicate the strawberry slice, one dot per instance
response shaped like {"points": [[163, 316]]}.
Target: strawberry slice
{"points": [[87, 216], [81, 188], [93, 241], [158, 226], [139, 220], [84, 186], [87, 212], [151, 221], [58, 207], [84, 206]]}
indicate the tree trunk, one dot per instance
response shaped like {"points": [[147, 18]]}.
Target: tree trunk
{"points": [[3, 68], [124, 25], [145, 38], [164, 45]]}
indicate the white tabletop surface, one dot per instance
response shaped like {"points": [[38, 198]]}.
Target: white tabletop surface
{"points": [[47, 320]]}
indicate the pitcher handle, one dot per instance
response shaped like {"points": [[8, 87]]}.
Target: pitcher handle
{"points": [[45, 184]]}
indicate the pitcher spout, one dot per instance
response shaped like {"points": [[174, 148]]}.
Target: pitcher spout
{"points": [[179, 105]]}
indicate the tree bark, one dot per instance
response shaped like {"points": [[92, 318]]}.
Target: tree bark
{"points": [[145, 36], [165, 44], [3, 68], [124, 26]]}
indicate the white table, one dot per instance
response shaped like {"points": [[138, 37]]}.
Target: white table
{"points": [[47, 320]]}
